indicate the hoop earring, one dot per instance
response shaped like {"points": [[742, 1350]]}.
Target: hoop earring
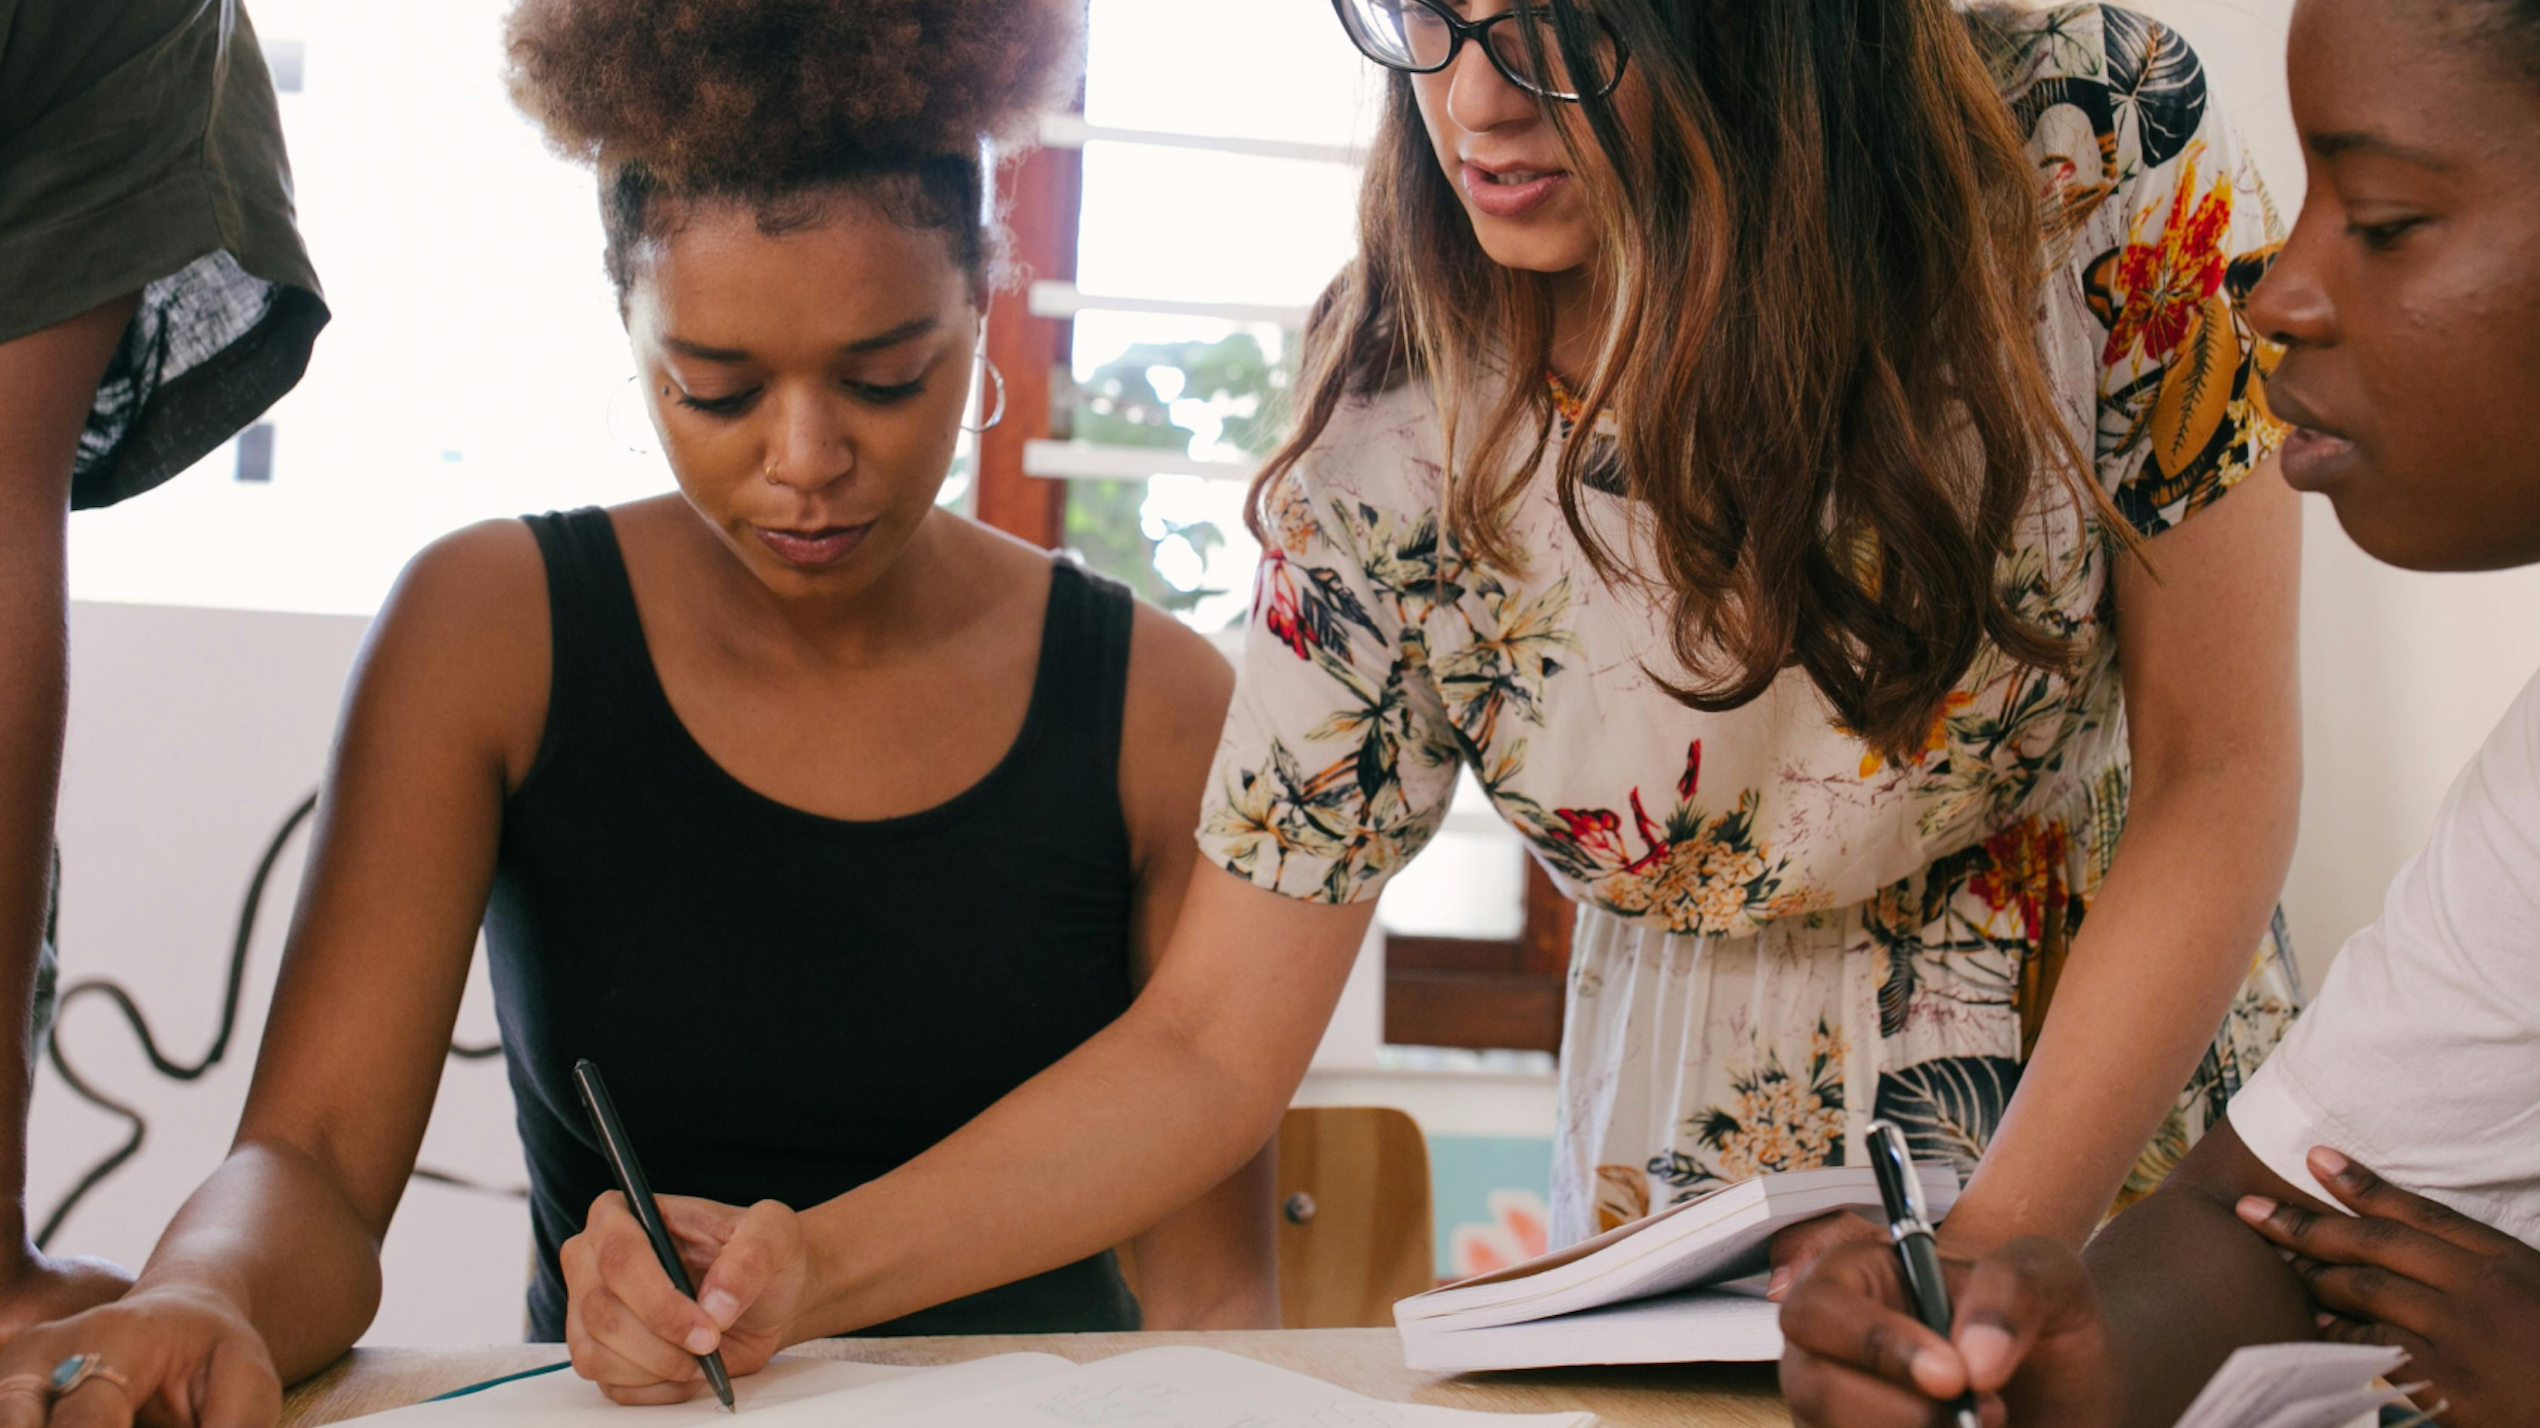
{"points": [[998, 414], [613, 419]]}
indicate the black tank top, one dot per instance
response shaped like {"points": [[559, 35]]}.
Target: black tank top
{"points": [[787, 1006]]}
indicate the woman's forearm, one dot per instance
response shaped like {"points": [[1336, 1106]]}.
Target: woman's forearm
{"points": [[1214, 1264], [1149, 1114], [48, 380], [1134, 1124], [2168, 942], [273, 1237]]}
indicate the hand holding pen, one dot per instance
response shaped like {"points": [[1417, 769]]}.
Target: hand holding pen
{"points": [[631, 1324], [1917, 1254], [2016, 1338]]}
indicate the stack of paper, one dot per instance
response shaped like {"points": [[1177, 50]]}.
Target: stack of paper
{"points": [[1681, 1286], [1154, 1388], [2296, 1386]]}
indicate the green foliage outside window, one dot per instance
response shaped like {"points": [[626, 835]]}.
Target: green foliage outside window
{"points": [[1120, 406]]}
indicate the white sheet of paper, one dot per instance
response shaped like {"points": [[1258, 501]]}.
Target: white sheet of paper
{"points": [[1154, 1388], [790, 1390], [1195, 1388], [2338, 1410], [2269, 1386]]}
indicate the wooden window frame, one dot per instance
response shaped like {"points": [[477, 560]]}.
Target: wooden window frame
{"points": [[1439, 991], [1484, 994], [1042, 198]]}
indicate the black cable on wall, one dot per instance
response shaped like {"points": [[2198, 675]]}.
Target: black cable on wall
{"points": [[179, 1071]]}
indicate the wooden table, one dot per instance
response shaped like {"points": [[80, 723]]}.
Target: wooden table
{"points": [[1367, 1361]]}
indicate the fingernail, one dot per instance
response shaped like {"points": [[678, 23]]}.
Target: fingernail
{"points": [[2322, 1321], [2329, 1163], [2255, 1208], [701, 1341], [1926, 1370], [1779, 1284], [721, 1307], [1987, 1350]]}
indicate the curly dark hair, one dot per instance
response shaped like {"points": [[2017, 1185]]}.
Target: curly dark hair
{"points": [[774, 103]]}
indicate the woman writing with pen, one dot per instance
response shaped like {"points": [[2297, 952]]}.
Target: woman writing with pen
{"points": [[820, 816]]}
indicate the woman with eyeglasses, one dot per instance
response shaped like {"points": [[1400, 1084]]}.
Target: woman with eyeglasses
{"points": [[1808, 463], [1780, 451]]}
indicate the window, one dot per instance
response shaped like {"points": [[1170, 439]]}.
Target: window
{"points": [[474, 360]]}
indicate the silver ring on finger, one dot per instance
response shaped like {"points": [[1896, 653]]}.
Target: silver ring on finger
{"points": [[76, 1371]]}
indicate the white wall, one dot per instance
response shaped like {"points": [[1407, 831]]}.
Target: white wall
{"points": [[193, 733]]}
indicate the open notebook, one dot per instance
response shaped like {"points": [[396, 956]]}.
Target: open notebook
{"points": [[2296, 1386], [1681, 1286], [1155, 1388]]}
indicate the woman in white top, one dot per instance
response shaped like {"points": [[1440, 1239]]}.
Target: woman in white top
{"points": [[1908, 321]]}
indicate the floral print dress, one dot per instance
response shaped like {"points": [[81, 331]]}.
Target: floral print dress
{"points": [[1782, 935]]}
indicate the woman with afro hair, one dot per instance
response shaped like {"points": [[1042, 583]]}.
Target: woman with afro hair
{"points": [[818, 816]]}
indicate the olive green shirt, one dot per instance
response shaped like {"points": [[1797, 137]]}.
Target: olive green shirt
{"points": [[141, 151]]}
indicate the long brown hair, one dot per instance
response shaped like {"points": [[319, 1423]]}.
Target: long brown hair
{"points": [[1823, 251]]}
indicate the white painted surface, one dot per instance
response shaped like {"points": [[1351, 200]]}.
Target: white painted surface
{"points": [[193, 733]]}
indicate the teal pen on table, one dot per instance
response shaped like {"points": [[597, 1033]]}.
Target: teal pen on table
{"points": [[1909, 1228], [638, 1191]]}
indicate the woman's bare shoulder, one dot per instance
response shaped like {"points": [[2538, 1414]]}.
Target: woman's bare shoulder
{"points": [[463, 640], [1179, 690]]}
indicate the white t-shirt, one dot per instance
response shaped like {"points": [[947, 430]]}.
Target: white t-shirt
{"points": [[2421, 1055]]}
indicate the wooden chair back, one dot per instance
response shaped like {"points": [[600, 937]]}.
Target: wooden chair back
{"points": [[1354, 1221]]}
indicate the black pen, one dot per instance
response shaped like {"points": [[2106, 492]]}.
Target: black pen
{"points": [[1910, 1229], [639, 1198]]}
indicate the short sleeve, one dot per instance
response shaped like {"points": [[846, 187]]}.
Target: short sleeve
{"points": [[2421, 1055], [141, 151], [1338, 763], [2182, 405]]}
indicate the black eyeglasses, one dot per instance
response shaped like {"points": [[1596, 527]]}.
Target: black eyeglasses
{"points": [[1423, 37]]}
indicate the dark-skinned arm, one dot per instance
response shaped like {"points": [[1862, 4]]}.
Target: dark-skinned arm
{"points": [[271, 1269], [48, 381], [2183, 1282]]}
